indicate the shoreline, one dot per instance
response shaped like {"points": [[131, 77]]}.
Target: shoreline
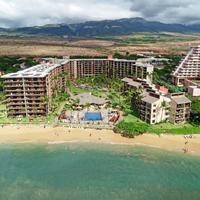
{"points": [[60, 135]]}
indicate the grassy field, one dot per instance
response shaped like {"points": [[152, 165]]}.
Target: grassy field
{"points": [[77, 90], [166, 127], [146, 38], [148, 43]]}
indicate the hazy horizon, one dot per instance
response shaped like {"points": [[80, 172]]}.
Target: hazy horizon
{"points": [[22, 13]]}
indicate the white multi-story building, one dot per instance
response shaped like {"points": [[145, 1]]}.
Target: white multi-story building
{"points": [[155, 106], [189, 67]]}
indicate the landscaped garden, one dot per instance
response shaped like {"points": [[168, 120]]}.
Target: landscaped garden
{"points": [[131, 125], [49, 119], [110, 89]]}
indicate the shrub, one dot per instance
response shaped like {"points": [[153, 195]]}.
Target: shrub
{"points": [[130, 129]]}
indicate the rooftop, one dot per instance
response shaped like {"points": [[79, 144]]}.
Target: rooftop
{"points": [[152, 59], [87, 98], [37, 71], [181, 99], [42, 70], [149, 99], [132, 82]]}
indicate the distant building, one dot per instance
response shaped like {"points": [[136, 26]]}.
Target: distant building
{"points": [[188, 72], [193, 87], [194, 91], [162, 89], [156, 62]]}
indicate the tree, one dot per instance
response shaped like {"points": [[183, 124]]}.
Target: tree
{"points": [[77, 101], [87, 105], [195, 118], [130, 129], [137, 95], [163, 107], [196, 106]]}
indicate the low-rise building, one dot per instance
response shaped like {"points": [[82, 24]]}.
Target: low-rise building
{"points": [[162, 89], [180, 108], [194, 91], [154, 106]]}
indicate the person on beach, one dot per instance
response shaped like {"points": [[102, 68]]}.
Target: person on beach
{"points": [[185, 150]]}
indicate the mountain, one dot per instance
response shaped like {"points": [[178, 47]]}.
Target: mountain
{"points": [[2, 29], [105, 28], [52, 30], [124, 27]]}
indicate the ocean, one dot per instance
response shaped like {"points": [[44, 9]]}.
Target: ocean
{"points": [[96, 172]]}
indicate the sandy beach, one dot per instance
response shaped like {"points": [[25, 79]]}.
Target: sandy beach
{"points": [[49, 135]]}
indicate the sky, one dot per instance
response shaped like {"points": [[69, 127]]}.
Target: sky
{"points": [[19, 13]]}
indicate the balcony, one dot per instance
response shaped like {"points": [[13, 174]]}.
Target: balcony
{"points": [[13, 90], [35, 94], [15, 99], [13, 86], [13, 81], [15, 95], [35, 85]]}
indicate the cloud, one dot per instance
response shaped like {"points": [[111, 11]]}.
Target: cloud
{"points": [[16, 13], [168, 11], [38, 12]]}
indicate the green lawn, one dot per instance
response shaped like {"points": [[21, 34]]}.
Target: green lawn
{"points": [[95, 91], [174, 128], [132, 118], [166, 127], [76, 90], [24, 120]]}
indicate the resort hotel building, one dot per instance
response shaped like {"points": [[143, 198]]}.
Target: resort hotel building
{"points": [[156, 105], [188, 72], [29, 92]]}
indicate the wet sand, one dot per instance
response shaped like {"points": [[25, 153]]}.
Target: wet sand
{"points": [[49, 135]]}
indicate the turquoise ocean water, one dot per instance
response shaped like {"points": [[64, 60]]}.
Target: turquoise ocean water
{"points": [[90, 172]]}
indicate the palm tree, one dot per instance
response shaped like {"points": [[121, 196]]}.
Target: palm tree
{"points": [[77, 101], [154, 76], [150, 75], [87, 105], [137, 94], [163, 107], [46, 101]]}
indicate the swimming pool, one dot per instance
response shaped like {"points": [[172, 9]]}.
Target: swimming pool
{"points": [[93, 116]]}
